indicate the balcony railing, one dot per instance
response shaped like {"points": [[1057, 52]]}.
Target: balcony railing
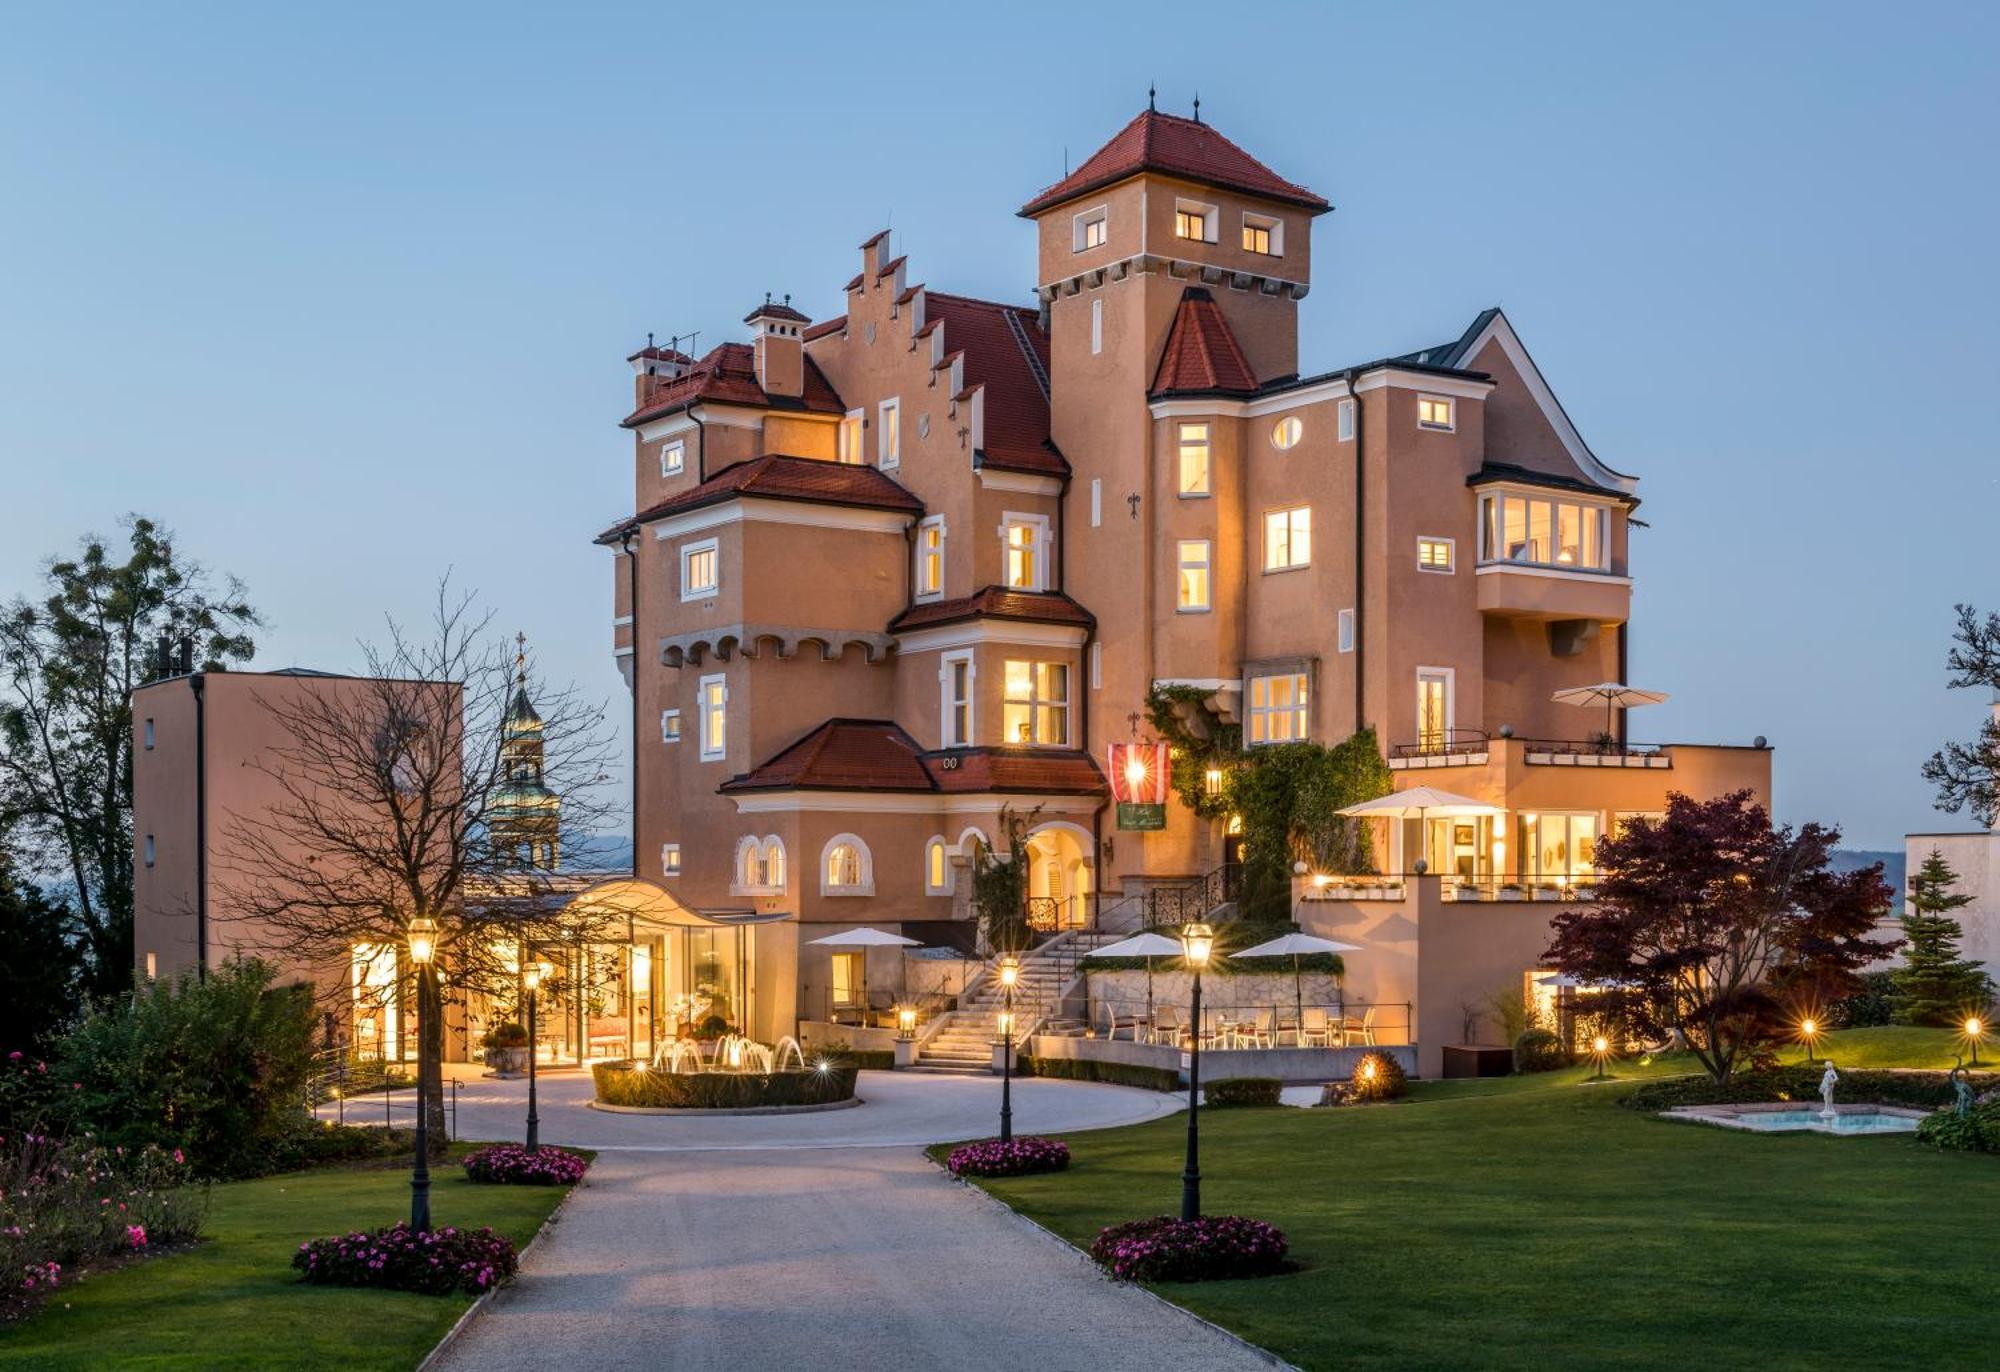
{"points": [[1444, 742], [1504, 886]]}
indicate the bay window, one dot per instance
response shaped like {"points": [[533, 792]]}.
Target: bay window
{"points": [[1192, 592], [1024, 542], [1035, 703], [1192, 466], [1278, 703], [1543, 531]]}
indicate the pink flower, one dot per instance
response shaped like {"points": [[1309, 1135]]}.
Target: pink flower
{"points": [[137, 1234]]}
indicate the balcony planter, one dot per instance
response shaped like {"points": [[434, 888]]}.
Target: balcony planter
{"points": [[1513, 890]]}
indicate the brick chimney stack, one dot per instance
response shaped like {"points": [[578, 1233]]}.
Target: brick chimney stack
{"points": [[777, 330]]}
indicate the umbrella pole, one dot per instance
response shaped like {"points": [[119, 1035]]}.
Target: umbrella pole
{"points": [[1298, 1003], [1149, 993]]}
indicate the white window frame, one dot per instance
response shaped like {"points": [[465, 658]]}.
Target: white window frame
{"points": [[888, 434], [864, 865], [929, 558], [1205, 212], [1450, 421], [851, 439], [1184, 443], [1449, 677], [149, 735], [1493, 523], [1035, 703], [769, 852], [715, 744], [1097, 326], [1096, 502], [670, 726], [670, 859], [1205, 563], [1038, 547], [1288, 433], [937, 864], [1272, 226], [1081, 224], [949, 737], [1450, 546], [673, 457], [1344, 421], [1344, 631], [1097, 665], [690, 551], [1257, 732], [1292, 562]]}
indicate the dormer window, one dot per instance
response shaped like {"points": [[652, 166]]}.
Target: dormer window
{"points": [[1263, 235], [1194, 221], [1434, 412], [1024, 549], [847, 446]]}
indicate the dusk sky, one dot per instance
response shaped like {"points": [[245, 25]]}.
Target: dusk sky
{"points": [[343, 296]]}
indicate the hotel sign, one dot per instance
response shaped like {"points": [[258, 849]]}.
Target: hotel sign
{"points": [[1140, 775], [1132, 816]]}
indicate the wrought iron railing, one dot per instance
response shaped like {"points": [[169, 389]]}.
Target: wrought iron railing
{"points": [[1442, 741], [339, 1086], [1273, 1023], [1195, 899]]}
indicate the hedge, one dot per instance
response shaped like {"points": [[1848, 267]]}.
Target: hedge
{"points": [[618, 1084], [840, 1055], [1976, 1131], [1090, 1069], [1245, 1091], [1915, 1090]]}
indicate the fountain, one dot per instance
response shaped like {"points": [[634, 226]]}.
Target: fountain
{"points": [[734, 1075], [791, 1045]]}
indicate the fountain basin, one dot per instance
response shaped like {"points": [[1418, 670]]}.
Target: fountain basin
{"points": [[1786, 1117]]}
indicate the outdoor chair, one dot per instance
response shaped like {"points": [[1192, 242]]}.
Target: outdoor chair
{"points": [[1167, 1026], [1114, 1022], [1361, 1028], [1316, 1031]]}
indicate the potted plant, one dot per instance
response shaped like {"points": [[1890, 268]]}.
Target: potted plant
{"points": [[710, 1029], [507, 1048]]}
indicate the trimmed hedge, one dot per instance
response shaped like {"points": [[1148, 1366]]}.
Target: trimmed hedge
{"points": [[1540, 1050], [840, 1055], [1090, 1069], [1244, 1091], [318, 1143], [618, 1084], [1915, 1090]]}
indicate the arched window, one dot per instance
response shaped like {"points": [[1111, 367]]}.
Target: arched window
{"points": [[774, 862], [937, 868], [846, 868], [749, 863], [760, 865]]}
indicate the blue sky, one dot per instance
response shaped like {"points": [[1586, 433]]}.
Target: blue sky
{"points": [[343, 296]]}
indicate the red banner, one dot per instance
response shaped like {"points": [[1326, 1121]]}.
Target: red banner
{"points": [[1139, 773]]}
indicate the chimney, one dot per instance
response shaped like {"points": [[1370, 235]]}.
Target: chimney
{"points": [[654, 368], [777, 330]]}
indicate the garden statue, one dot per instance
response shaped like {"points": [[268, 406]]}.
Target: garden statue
{"points": [[1961, 1091], [1826, 1085]]}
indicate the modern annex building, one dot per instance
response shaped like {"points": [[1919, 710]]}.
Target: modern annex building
{"points": [[892, 570]]}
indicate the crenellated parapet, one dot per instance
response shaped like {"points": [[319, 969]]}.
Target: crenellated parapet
{"points": [[722, 642]]}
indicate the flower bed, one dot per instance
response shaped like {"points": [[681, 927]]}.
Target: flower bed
{"points": [[622, 1085], [399, 1258], [508, 1164], [1020, 1157], [1213, 1248]]}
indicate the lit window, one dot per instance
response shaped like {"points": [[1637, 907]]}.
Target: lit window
{"points": [[1623, 820], [670, 726], [1557, 849], [1544, 532], [1096, 326], [849, 443], [1022, 537], [1193, 466], [152, 967], [149, 733], [150, 852], [1035, 704], [673, 458], [1287, 538], [1435, 554], [1287, 432], [1346, 421], [937, 868], [1093, 230], [1194, 221], [888, 436], [1433, 707], [955, 689], [713, 695], [760, 864], [700, 570], [774, 862], [1433, 412], [750, 863], [1278, 708], [845, 868], [1194, 567], [847, 980], [930, 557], [1263, 235], [1345, 631], [670, 859]]}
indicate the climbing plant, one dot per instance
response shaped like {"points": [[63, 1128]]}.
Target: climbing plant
{"points": [[1000, 884]]}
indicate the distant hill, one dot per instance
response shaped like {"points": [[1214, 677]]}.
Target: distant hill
{"points": [[1853, 859]]}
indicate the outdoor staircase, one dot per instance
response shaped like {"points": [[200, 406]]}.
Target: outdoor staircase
{"points": [[963, 1042]]}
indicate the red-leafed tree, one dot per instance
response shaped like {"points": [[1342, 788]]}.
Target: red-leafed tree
{"points": [[1713, 923]]}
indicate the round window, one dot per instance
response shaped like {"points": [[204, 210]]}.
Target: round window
{"points": [[1287, 432]]}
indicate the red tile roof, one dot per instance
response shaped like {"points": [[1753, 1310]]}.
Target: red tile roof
{"points": [[834, 325], [1179, 147], [1017, 406], [728, 376], [772, 309], [808, 480], [1201, 352], [877, 755], [655, 354], [995, 602]]}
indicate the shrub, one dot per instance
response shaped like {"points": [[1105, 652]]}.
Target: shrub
{"points": [[619, 1084], [508, 1164], [1090, 1069], [1976, 1131], [316, 1143], [507, 1035], [1244, 1091], [1915, 1090], [1872, 1005], [399, 1258], [711, 1028], [1378, 1076], [1540, 1050], [842, 1054], [1208, 1249], [1016, 1158]]}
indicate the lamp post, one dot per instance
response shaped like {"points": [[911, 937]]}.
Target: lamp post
{"points": [[423, 948], [1975, 1029], [1808, 1033], [1600, 1048], [1010, 972], [1197, 943], [532, 976]]}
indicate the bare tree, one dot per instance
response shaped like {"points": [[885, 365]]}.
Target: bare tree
{"points": [[404, 796]]}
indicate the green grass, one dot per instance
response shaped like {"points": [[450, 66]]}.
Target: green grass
{"points": [[1531, 1222], [232, 1302]]}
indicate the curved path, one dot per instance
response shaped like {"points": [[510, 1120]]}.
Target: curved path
{"points": [[821, 1241]]}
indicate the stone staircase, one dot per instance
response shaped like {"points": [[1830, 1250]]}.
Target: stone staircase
{"points": [[963, 1043]]}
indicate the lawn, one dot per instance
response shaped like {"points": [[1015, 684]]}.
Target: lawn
{"points": [[1534, 1222], [232, 1301]]}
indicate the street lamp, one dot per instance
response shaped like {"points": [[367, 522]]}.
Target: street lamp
{"points": [[1808, 1035], [1197, 944], [1010, 972], [1600, 1048], [1975, 1030], [532, 977], [423, 948]]}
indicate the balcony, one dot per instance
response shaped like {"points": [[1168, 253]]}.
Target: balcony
{"points": [[1524, 590], [1475, 747]]}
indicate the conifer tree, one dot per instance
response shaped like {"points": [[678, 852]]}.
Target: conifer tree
{"points": [[1935, 985]]}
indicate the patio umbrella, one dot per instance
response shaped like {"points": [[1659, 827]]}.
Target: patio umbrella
{"points": [[1421, 803], [1614, 695], [1148, 946], [1295, 944], [869, 938]]}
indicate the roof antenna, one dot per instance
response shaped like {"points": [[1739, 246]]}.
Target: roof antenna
{"points": [[1151, 94], [649, 340], [1197, 107]]}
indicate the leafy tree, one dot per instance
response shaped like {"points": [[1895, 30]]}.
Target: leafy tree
{"points": [[38, 971], [1935, 985], [1967, 775], [68, 663], [1000, 884], [1709, 919]]}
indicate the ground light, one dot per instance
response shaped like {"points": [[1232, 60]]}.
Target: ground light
{"points": [[1975, 1030], [423, 948], [906, 1022], [1010, 972], [1600, 1048], [1809, 1031], [532, 977], [1197, 945]]}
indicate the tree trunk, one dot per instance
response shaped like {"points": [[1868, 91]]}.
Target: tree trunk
{"points": [[430, 1086]]}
